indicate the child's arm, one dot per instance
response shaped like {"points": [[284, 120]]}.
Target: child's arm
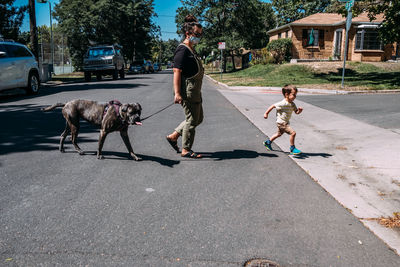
{"points": [[268, 111], [298, 110]]}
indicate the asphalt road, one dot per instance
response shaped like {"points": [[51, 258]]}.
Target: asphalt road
{"points": [[380, 110], [238, 203]]}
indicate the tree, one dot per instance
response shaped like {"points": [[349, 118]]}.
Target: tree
{"points": [[126, 22], [11, 19], [291, 10], [238, 23]]}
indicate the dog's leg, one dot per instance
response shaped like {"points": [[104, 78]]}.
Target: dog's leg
{"points": [[63, 136], [103, 135], [125, 138], [74, 134]]}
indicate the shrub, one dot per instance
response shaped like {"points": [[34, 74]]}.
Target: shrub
{"points": [[280, 49]]}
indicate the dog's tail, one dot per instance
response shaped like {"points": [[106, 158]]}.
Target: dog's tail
{"points": [[58, 105]]}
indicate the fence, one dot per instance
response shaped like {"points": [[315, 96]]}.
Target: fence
{"points": [[61, 62]]}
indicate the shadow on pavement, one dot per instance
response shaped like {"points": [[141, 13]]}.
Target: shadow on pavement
{"points": [[234, 154], [114, 155], [26, 128], [9, 95], [308, 155]]}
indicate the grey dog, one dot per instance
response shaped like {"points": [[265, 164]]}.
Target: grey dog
{"points": [[111, 117]]}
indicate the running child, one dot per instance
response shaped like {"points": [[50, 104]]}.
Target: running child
{"points": [[284, 111]]}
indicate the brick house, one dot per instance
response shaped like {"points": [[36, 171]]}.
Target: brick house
{"points": [[329, 32]]}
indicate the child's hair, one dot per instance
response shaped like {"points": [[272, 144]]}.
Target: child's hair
{"points": [[287, 89], [189, 24]]}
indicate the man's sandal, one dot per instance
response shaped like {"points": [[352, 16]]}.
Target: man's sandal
{"points": [[174, 144], [191, 155]]}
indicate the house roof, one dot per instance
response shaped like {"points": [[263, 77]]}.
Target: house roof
{"points": [[329, 19]]}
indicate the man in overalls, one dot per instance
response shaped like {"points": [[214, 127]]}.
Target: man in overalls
{"points": [[188, 78]]}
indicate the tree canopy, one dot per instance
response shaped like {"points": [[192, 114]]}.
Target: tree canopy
{"points": [[11, 19], [291, 10], [238, 23], [126, 22]]}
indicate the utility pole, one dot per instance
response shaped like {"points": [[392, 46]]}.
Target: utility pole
{"points": [[33, 30]]}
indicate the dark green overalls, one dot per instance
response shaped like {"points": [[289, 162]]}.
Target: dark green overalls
{"points": [[192, 104]]}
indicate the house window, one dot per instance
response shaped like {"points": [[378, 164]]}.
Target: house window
{"points": [[286, 34], [368, 39], [279, 35], [307, 38]]}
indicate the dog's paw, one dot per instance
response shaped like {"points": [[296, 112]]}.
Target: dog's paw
{"points": [[81, 153], [100, 157], [62, 150]]}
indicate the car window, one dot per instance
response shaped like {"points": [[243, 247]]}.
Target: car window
{"points": [[99, 52], [17, 51]]}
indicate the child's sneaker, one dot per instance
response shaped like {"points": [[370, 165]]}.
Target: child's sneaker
{"points": [[267, 144], [294, 151]]}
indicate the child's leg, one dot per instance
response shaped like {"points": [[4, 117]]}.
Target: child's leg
{"points": [[292, 138], [268, 142], [278, 134]]}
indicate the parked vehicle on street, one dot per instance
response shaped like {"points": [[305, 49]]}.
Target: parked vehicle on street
{"points": [[148, 66], [136, 67], [18, 68], [104, 60], [157, 66]]}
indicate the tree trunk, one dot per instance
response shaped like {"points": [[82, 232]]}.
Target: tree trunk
{"points": [[33, 29], [233, 61]]}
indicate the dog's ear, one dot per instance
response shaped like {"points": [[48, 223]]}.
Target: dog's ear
{"points": [[124, 108]]}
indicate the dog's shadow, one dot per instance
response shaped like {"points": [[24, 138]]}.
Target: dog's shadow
{"points": [[234, 154], [125, 156]]}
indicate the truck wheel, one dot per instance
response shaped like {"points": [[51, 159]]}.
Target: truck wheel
{"points": [[33, 83], [115, 74], [88, 76], [122, 73], [98, 76]]}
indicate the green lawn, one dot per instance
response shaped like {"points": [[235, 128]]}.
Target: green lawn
{"points": [[358, 76]]}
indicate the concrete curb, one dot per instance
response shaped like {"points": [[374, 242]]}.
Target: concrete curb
{"points": [[302, 90]]}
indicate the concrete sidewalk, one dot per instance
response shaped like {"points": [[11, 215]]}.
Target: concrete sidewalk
{"points": [[355, 162]]}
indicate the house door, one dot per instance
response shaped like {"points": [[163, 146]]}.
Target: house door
{"points": [[338, 44]]}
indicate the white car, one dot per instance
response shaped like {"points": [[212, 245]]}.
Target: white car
{"points": [[18, 68]]}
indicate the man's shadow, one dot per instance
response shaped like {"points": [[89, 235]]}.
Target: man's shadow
{"points": [[234, 154]]}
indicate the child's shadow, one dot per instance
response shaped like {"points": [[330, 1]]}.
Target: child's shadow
{"points": [[304, 155], [234, 154]]}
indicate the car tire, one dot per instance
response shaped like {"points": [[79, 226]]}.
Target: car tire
{"points": [[88, 76], [33, 83], [122, 73], [115, 74], [98, 76]]}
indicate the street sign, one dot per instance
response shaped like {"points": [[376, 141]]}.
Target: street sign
{"points": [[221, 45]]}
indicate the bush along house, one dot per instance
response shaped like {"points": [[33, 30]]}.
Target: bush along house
{"points": [[322, 37]]}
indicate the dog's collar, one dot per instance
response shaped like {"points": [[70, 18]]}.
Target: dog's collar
{"points": [[117, 106]]}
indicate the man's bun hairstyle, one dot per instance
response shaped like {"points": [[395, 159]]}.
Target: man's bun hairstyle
{"points": [[189, 24]]}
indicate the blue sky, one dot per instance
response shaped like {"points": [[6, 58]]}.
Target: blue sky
{"points": [[165, 9]]}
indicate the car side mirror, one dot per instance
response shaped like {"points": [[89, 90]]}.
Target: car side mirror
{"points": [[2, 54]]}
